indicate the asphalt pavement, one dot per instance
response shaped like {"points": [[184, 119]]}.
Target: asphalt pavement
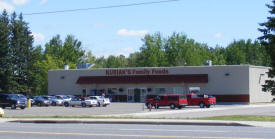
{"points": [[141, 115], [139, 110], [125, 131]]}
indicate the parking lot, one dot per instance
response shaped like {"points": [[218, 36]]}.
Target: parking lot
{"points": [[139, 110]]}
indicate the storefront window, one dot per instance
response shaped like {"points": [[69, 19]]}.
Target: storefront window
{"points": [[178, 90], [174, 90], [159, 91], [113, 91]]}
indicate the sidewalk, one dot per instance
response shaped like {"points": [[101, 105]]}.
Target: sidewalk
{"points": [[143, 121]]}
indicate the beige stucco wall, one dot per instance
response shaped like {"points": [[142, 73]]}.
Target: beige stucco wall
{"points": [[258, 75], [237, 82]]}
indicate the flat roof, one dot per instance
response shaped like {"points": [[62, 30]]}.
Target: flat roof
{"points": [[213, 66]]}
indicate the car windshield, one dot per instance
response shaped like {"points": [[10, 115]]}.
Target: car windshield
{"points": [[54, 97], [47, 98], [13, 96], [66, 97], [22, 96]]}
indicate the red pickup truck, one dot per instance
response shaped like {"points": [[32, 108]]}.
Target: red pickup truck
{"points": [[174, 101], [200, 100]]}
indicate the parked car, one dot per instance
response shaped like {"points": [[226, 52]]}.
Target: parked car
{"points": [[56, 101], [21, 96], [200, 100], [101, 100], [174, 101], [80, 102], [12, 100], [42, 101], [65, 97]]}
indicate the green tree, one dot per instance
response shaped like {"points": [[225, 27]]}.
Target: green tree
{"points": [[152, 52], [100, 62], [68, 53], [21, 48], [268, 41], [89, 58], [246, 52], [72, 51], [43, 66], [133, 59], [218, 55], [5, 66]]}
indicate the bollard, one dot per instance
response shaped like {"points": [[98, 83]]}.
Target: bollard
{"points": [[29, 103]]}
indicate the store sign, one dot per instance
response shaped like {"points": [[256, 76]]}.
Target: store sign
{"points": [[119, 72]]}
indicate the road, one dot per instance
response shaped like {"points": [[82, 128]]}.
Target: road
{"points": [[125, 131]]}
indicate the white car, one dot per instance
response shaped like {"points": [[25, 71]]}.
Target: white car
{"points": [[101, 101], [64, 97], [80, 102]]}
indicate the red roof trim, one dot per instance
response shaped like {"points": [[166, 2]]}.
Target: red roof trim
{"points": [[144, 79]]}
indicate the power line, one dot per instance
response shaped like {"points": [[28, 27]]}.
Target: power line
{"points": [[104, 7]]}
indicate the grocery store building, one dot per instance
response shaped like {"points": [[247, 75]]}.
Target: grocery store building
{"points": [[228, 83]]}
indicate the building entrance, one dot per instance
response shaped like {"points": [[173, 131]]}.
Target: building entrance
{"points": [[136, 95]]}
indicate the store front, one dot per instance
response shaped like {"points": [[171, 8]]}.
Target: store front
{"points": [[126, 88], [234, 83]]}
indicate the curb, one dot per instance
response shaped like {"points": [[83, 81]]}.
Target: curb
{"points": [[151, 122]]}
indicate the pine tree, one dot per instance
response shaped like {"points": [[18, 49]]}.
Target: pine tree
{"points": [[4, 51], [268, 41], [21, 48]]}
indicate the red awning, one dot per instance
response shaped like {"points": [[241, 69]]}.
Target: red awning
{"points": [[144, 79]]}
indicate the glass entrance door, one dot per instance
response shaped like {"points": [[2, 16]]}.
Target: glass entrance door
{"points": [[136, 95], [130, 95], [143, 94]]}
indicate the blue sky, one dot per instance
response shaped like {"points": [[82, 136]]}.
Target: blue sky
{"points": [[118, 31]]}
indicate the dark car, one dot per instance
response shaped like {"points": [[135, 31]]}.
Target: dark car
{"points": [[12, 100]]}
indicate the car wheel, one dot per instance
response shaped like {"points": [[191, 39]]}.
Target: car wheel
{"points": [[13, 106], [54, 103], [66, 104], [208, 106], [201, 105], [22, 107], [3, 107], [83, 104], [104, 105], [179, 107], [172, 106]]}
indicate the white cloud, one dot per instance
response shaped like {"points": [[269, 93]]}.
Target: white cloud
{"points": [[4, 5], [42, 2], [38, 37], [218, 35], [19, 2], [125, 32]]}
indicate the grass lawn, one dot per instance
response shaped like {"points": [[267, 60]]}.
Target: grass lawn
{"points": [[241, 118]]}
